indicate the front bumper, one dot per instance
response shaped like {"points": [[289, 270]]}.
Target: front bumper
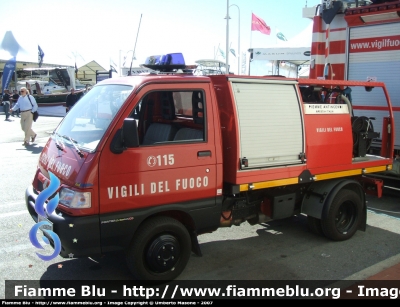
{"points": [[79, 236]]}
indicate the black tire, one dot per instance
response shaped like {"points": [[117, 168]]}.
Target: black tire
{"points": [[160, 250], [315, 225], [344, 216]]}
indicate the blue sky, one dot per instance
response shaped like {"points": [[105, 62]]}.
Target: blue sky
{"points": [[104, 31]]}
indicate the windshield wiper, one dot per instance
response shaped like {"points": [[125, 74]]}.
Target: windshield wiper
{"points": [[74, 142], [58, 141]]}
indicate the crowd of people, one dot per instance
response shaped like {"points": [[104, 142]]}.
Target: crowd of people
{"points": [[8, 101]]}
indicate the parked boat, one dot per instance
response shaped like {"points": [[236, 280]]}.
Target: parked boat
{"points": [[56, 79], [46, 86], [50, 104], [50, 87], [210, 67]]}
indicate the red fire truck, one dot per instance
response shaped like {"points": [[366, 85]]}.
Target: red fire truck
{"points": [[147, 163], [360, 40]]}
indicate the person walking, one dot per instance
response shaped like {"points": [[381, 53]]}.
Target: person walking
{"points": [[27, 105], [72, 98], [15, 97], [6, 104], [87, 89]]}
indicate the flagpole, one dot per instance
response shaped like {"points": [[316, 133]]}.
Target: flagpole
{"points": [[216, 52], [15, 77], [119, 64], [251, 32], [227, 38], [251, 40], [238, 72]]}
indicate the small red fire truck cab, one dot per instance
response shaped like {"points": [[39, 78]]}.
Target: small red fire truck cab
{"points": [[147, 163]]}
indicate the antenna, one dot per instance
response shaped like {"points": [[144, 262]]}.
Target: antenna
{"points": [[76, 54], [134, 48]]}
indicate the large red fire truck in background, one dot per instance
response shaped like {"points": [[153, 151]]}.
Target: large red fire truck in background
{"points": [[360, 40], [146, 163]]}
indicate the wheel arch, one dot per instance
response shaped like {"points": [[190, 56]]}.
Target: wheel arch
{"points": [[319, 196], [199, 216]]}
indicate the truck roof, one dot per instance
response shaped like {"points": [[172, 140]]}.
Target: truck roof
{"points": [[177, 77], [139, 79]]}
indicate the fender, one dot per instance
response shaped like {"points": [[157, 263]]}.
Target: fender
{"points": [[319, 196]]}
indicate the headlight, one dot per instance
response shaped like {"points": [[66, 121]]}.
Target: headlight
{"points": [[74, 199]]}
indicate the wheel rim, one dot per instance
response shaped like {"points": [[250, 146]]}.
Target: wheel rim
{"points": [[163, 253], [345, 217]]}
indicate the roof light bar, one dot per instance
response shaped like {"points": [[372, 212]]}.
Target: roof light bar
{"points": [[166, 63]]}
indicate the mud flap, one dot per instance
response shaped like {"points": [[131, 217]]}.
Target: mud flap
{"points": [[195, 244]]}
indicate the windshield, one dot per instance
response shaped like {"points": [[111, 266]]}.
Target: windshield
{"points": [[90, 117]]}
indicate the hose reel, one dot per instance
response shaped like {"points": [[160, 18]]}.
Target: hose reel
{"points": [[363, 134]]}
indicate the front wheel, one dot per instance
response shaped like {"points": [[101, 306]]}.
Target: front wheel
{"points": [[160, 250], [344, 216]]}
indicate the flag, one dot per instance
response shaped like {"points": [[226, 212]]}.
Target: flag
{"points": [[221, 52], [257, 24], [112, 68], [8, 72], [233, 52], [281, 36], [76, 69], [40, 56]]}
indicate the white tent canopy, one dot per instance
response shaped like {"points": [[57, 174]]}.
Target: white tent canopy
{"points": [[87, 72], [285, 58]]}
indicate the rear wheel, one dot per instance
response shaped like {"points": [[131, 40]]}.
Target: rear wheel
{"points": [[159, 250], [344, 216]]}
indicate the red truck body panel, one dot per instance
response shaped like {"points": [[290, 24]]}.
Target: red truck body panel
{"points": [[147, 163]]}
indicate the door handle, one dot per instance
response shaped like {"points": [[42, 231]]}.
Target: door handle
{"points": [[206, 153]]}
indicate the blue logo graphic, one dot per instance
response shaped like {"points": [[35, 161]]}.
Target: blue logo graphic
{"points": [[41, 210]]}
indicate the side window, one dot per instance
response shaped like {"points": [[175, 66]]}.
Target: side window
{"points": [[183, 103], [171, 117]]}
